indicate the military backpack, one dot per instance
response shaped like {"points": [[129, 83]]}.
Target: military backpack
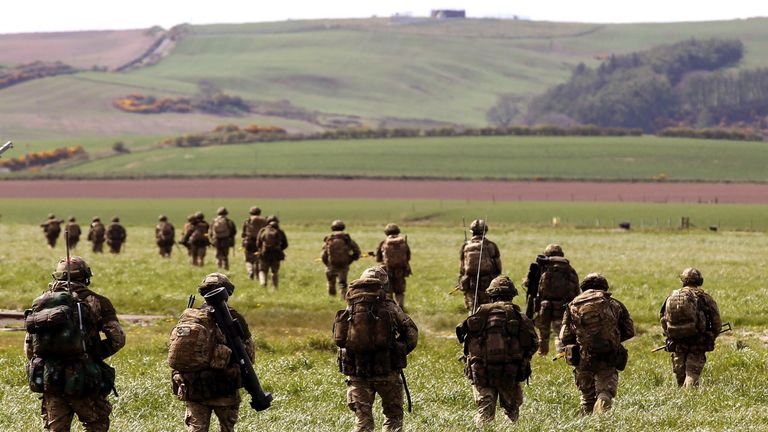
{"points": [[253, 226], [196, 343], [53, 227], [221, 229], [558, 281], [270, 239], [338, 248], [474, 260], [165, 231], [59, 323], [98, 230], [595, 323], [682, 315], [395, 252]]}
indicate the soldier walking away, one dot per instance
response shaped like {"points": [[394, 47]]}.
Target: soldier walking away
{"points": [[480, 256], [115, 235], [222, 234], [271, 243], [186, 233], [558, 284], [165, 236], [197, 238], [691, 322], [206, 375], [374, 337], [96, 234], [73, 232], [395, 254], [594, 326], [251, 228], [66, 352], [339, 251], [499, 342], [51, 229]]}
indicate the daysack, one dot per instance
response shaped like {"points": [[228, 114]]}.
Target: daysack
{"points": [[252, 227], [199, 232], [473, 260], [196, 343], [98, 230], [221, 229], [53, 227], [493, 335], [395, 252], [596, 324], [339, 248], [682, 315], [365, 327], [165, 231], [558, 281], [270, 239], [116, 232], [59, 323]]}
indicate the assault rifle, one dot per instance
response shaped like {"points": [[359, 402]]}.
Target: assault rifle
{"points": [[7, 146], [534, 274], [234, 333], [724, 328]]}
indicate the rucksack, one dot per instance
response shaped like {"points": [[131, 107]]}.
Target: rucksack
{"points": [[253, 226], [59, 323], [53, 227], [558, 281], [682, 315], [364, 327], [165, 231], [270, 239], [116, 232], [221, 229], [473, 260], [199, 232], [493, 335], [98, 230], [194, 342], [395, 252], [595, 322], [339, 248]]}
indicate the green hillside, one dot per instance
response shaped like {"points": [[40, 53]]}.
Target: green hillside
{"points": [[450, 71]]}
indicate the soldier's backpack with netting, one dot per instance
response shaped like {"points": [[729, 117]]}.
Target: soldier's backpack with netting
{"points": [[195, 341], [558, 281], [682, 315], [166, 231], [221, 228], [395, 252], [364, 327], [493, 335], [270, 239], [252, 227], [339, 248], [595, 322], [473, 259], [59, 323]]}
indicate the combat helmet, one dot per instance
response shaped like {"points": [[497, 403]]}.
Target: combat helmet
{"points": [[199, 215], [691, 277], [501, 286], [51, 216], [78, 270], [337, 225], [391, 229], [71, 219], [553, 250], [594, 281], [115, 219], [255, 211], [273, 220], [378, 273], [213, 281], [222, 211], [162, 218], [478, 226], [95, 219]]}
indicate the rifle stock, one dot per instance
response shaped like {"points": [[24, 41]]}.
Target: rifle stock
{"points": [[723, 328]]}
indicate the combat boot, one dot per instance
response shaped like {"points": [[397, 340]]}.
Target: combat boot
{"points": [[262, 279], [603, 404], [691, 381]]}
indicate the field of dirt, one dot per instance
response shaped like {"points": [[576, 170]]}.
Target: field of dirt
{"points": [[390, 189]]}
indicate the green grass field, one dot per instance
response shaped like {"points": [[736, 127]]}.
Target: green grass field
{"points": [[600, 158], [295, 357]]}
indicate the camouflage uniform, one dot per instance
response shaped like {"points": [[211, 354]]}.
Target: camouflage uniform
{"points": [[93, 410], [269, 259], [165, 236], [197, 417], [500, 380], [371, 374], [96, 235], [338, 270], [597, 376], [397, 274], [223, 245], [251, 228], [115, 236], [468, 280], [186, 233], [51, 229], [689, 354], [197, 239], [73, 233]]}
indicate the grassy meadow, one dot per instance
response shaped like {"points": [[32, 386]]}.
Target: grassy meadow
{"points": [[296, 359]]}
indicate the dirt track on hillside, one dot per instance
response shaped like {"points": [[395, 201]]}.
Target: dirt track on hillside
{"points": [[388, 189]]}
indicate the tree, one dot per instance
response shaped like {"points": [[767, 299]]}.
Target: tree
{"points": [[504, 112]]}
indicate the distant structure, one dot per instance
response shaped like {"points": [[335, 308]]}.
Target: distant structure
{"points": [[448, 13]]}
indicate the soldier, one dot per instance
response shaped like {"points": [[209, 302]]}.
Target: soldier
{"points": [[73, 232], [186, 233], [66, 358], [395, 254], [499, 342], [251, 228], [594, 325], [478, 256], [222, 233], [198, 239], [691, 322], [51, 229], [374, 336], [96, 234], [115, 235], [557, 286], [339, 251], [271, 243], [215, 387], [165, 236]]}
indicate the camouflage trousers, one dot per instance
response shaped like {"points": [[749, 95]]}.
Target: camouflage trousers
{"points": [[51, 239], [251, 263], [598, 388], [114, 246], [688, 366], [98, 247], [73, 242], [468, 283], [510, 398], [361, 393], [165, 247], [340, 273], [265, 266], [197, 252], [397, 284], [545, 321], [58, 412], [222, 253], [198, 416]]}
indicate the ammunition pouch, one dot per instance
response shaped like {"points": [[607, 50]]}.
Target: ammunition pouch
{"points": [[485, 375], [620, 358], [524, 371], [573, 355], [206, 384], [75, 377], [372, 364]]}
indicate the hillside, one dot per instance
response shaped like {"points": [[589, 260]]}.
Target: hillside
{"points": [[386, 71]]}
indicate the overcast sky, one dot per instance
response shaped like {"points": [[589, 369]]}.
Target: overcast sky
{"points": [[57, 15]]}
